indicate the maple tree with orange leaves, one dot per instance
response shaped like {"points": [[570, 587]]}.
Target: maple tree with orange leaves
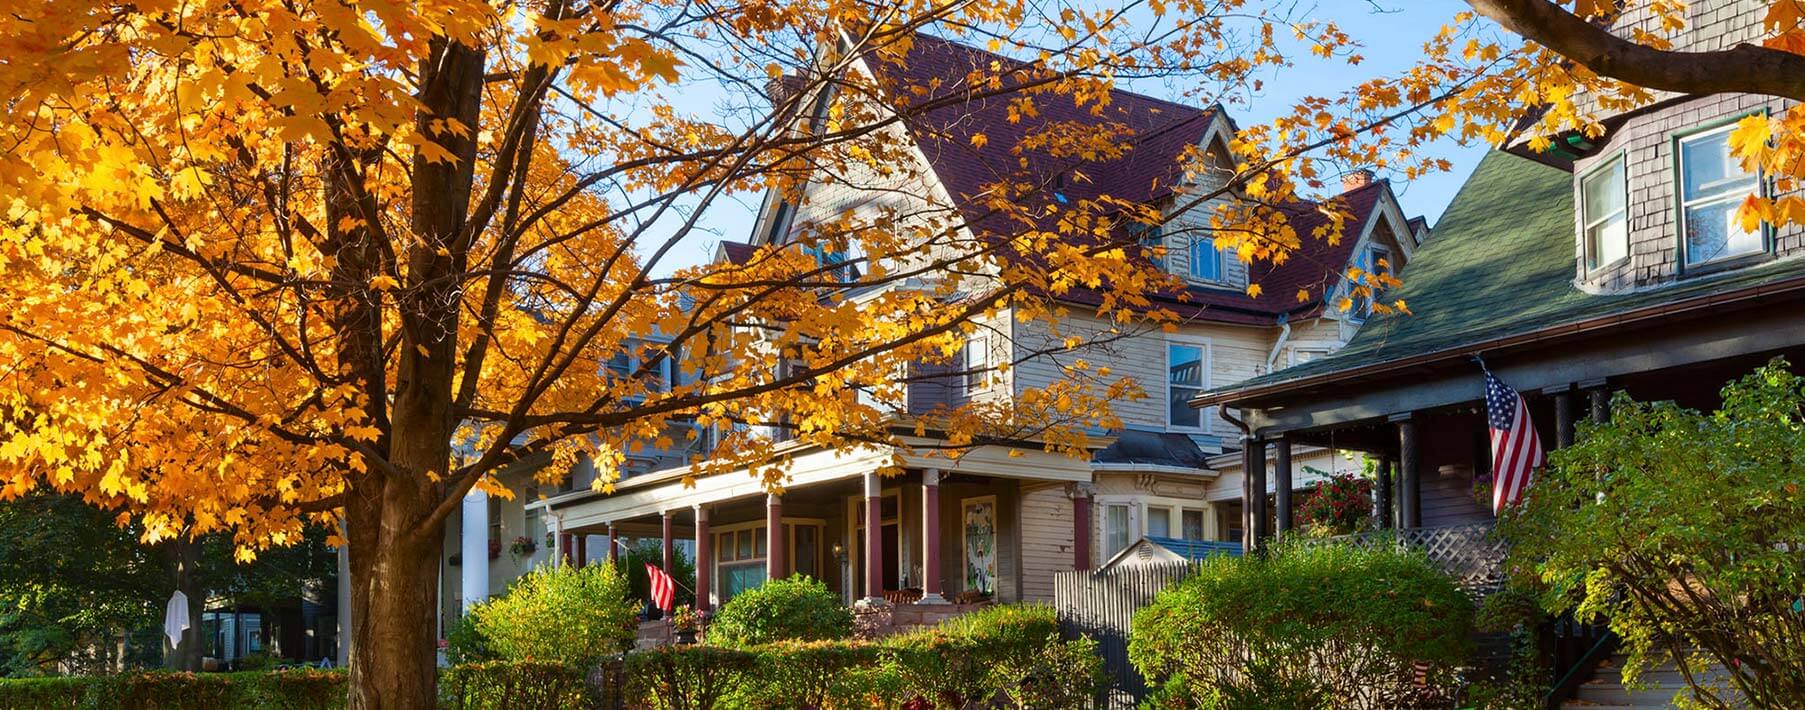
{"points": [[271, 263]]}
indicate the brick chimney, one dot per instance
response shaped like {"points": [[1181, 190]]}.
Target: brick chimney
{"points": [[1356, 180]]}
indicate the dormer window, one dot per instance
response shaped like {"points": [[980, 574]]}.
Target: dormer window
{"points": [[1712, 187], [1604, 214], [1206, 260]]}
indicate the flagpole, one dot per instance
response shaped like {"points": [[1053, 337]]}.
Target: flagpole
{"points": [[666, 571]]}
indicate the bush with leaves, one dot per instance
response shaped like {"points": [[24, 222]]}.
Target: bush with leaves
{"points": [[1309, 626], [564, 614], [688, 677], [514, 685], [978, 656], [798, 608], [810, 674], [465, 643], [272, 690], [1685, 531]]}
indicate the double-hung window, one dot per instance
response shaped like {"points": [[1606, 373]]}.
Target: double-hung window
{"points": [[1712, 187], [977, 362], [1187, 365], [1159, 521], [1206, 260], [1604, 212], [1118, 528]]}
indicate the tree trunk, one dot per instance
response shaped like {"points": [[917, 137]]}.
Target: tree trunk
{"points": [[184, 558], [395, 536]]}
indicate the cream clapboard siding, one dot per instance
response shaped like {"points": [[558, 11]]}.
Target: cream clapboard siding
{"points": [[1046, 525], [1235, 353]]}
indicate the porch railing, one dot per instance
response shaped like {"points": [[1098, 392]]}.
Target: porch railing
{"points": [[1470, 553]]}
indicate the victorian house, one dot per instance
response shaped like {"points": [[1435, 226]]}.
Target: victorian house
{"points": [[1606, 264], [996, 522]]}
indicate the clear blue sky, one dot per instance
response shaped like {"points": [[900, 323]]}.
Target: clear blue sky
{"points": [[1391, 33]]}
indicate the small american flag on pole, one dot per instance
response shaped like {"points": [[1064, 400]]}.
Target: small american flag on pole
{"points": [[664, 589], [1516, 450]]}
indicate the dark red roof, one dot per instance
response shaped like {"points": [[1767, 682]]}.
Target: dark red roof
{"points": [[1160, 132], [736, 252]]}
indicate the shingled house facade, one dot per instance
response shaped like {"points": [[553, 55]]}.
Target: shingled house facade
{"points": [[998, 522]]}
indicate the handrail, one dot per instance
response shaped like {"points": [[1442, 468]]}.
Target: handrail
{"points": [[1588, 662]]}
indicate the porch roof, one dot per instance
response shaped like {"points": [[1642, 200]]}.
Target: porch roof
{"points": [[660, 491], [1496, 276]]}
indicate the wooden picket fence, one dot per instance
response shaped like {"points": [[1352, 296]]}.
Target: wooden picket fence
{"points": [[1101, 605]]}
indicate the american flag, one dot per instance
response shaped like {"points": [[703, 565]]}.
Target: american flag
{"points": [[664, 589], [1516, 450]]}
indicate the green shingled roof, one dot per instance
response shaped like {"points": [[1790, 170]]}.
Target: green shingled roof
{"points": [[1500, 263]]}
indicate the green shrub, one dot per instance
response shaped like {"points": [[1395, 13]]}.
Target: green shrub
{"points": [[687, 677], [978, 656], [465, 643], [565, 614], [1682, 530], [277, 690], [508, 685], [1064, 674], [1307, 627], [798, 608], [811, 674]]}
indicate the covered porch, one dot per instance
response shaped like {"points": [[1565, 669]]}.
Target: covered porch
{"points": [[1423, 417], [947, 531]]}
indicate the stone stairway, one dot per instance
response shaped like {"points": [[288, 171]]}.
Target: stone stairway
{"points": [[1655, 688]]}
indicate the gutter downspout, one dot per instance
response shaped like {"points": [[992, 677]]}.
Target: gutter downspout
{"points": [[1248, 532], [1277, 345]]}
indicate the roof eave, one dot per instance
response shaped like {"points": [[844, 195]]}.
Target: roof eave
{"points": [[1789, 286]]}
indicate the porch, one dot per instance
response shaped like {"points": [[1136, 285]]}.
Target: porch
{"points": [[948, 533]]}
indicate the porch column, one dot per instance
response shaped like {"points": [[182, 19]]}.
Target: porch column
{"points": [[1281, 484], [582, 550], [670, 550], [613, 543], [1253, 499], [1598, 396], [1382, 512], [774, 545], [475, 548], [1410, 512], [704, 561], [930, 537], [1081, 525], [1563, 415], [874, 539]]}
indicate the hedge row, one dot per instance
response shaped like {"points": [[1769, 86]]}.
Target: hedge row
{"points": [[253, 690], [1009, 655]]}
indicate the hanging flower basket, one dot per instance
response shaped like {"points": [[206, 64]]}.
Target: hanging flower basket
{"points": [[522, 547]]}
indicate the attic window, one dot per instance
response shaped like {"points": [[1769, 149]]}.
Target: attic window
{"points": [[1603, 199], [1712, 187]]}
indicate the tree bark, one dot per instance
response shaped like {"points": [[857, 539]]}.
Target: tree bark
{"points": [[184, 558], [395, 538], [1745, 68]]}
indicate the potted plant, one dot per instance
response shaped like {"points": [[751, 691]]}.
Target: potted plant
{"points": [[684, 623], [522, 547], [494, 549]]}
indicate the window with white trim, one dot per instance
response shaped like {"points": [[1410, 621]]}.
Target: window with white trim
{"points": [[1187, 373], [1206, 260], [1159, 521], [1604, 213], [1191, 524], [977, 362], [1118, 528], [1373, 261], [1712, 187]]}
